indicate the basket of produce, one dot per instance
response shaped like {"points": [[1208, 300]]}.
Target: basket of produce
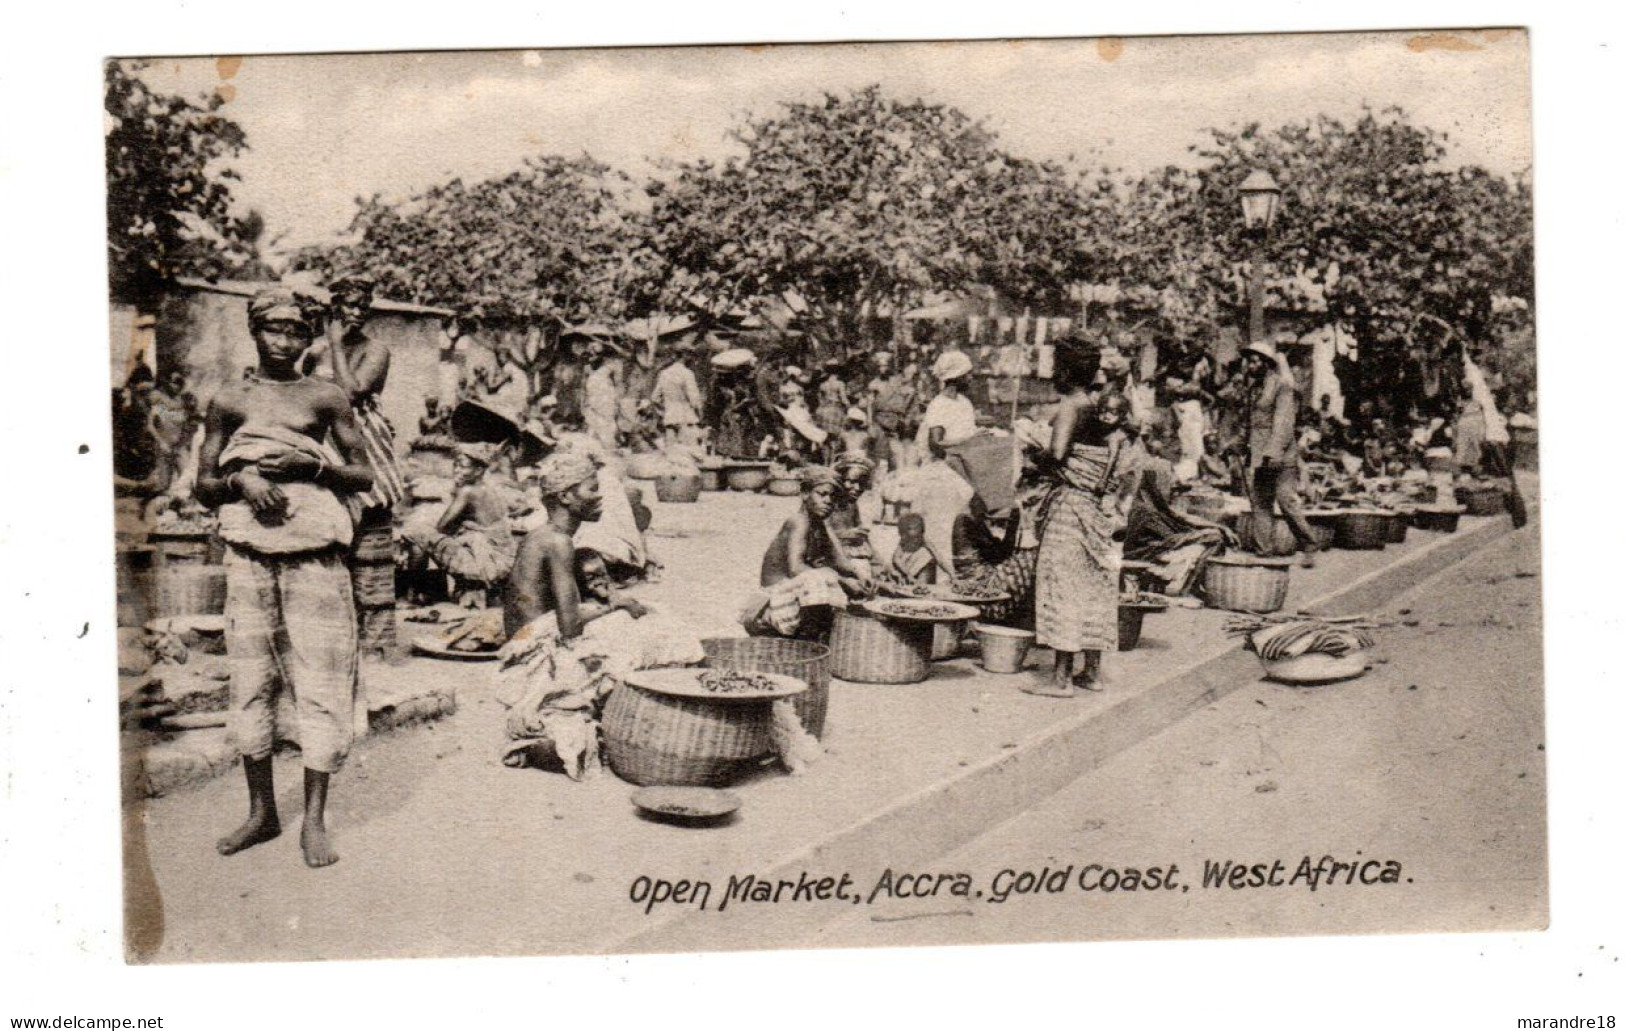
{"points": [[1246, 583], [747, 476], [1484, 499], [691, 727], [785, 485], [1265, 533], [1131, 612], [1362, 529], [1212, 507], [678, 488], [1004, 648], [868, 649], [1437, 518], [807, 661], [1308, 650]]}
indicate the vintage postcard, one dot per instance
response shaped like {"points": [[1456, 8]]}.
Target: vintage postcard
{"points": [[714, 498]]}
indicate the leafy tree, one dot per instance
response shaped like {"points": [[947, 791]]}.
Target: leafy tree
{"points": [[549, 244], [857, 206], [169, 201]]}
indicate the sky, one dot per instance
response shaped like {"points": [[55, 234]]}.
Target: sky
{"points": [[324, 130]]}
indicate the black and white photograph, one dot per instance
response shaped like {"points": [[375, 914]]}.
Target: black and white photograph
{"points": [[896, 494]]}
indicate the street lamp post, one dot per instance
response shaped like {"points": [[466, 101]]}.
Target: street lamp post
{"points": [[1260, 199]]}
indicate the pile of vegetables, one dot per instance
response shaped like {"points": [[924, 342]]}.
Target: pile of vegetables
{"points": [[1286, 637]]}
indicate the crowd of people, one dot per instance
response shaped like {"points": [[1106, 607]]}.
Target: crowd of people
{"points": [[532, 513]]}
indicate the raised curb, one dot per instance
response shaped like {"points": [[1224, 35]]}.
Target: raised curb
{"points": [[939, 818]]}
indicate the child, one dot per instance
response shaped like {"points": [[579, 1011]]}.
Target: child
{"points": [[912, 562]]}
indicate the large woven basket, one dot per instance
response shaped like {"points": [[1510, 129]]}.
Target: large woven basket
{"points": [[187, 589], [870, 650], [1243, 583], [1399, 526], [374, 583], [805, 660], [1482, 501], [1265, 533], [374, 544], [1362, 529], [1438, 519], [1323, 524], [651, 738]]}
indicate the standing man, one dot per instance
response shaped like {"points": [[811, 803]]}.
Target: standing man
{"points": [[677, 393], [1271, 399], [290, 612]]}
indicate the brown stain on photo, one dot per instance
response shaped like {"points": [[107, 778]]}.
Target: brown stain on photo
{"points": [[226, 92], [1110, 48], [227, 67], [1421, 44]]}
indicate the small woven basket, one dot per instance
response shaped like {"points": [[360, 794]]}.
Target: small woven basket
{"points": [[1482, 501], [747, 477], [678, 488], [1436, 520], [805, 660], [1362, 530], [651, 738], [870, 650], [711, 480], [186, 589], [1241, 584], [374, 583], [1323, 525]]}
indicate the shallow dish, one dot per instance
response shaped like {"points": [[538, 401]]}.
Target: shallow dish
{"points": [[686, 804], [689, 682]]}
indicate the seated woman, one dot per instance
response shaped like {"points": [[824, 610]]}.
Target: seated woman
{"points": [[471, 539], [1175, 542], [996, 563], [805, 571]]}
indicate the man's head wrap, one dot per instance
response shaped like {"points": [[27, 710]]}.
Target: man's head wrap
{"points": [[564, 469], [951, 365], [817, 475], [353, 283]]}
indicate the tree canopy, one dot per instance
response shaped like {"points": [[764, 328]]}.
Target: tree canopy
{"points": [[169, 200]]}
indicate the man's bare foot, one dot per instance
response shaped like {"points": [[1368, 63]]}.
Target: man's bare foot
{"points": [[1088, 682], [259, 827], [318, 850]]}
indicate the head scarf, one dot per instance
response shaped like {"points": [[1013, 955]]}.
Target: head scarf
{"points": [[855, 460], [282, 305], [352, 282], [564, 469], [856, 414], [951, 365], [817, 475]]}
